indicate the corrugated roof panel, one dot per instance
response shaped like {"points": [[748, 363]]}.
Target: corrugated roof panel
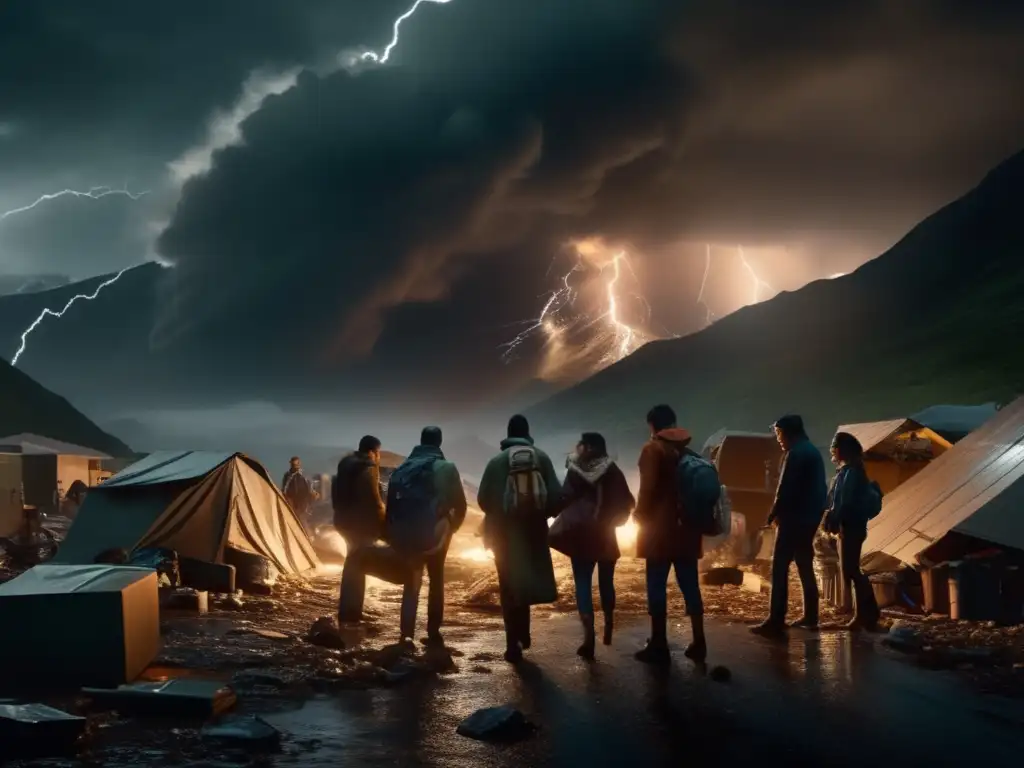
{"points": [[974, 488]]}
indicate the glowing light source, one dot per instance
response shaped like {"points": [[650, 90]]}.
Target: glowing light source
{"points": [[626, 534], [476, 555], [382, 58], [758, 282]]}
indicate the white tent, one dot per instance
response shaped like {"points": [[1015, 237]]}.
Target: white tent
{"points": [[195, 503]]}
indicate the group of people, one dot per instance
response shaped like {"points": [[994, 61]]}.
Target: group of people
{"points": [[520, 492]]}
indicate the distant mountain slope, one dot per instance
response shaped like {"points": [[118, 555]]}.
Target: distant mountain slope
{"points": [[26, 406], [936, 319]]}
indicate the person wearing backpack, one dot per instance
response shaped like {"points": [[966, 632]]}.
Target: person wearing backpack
{"points": [[796, 512], [667, 540], [519, 491], [356, 498], [596, 499], [426, 506], [853, 500], [297, 489]]}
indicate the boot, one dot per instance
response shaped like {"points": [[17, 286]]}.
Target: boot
{"points": [[770, 628], [609, 625], [656, 651], [806, 622], [586, 651], [698, 648]]}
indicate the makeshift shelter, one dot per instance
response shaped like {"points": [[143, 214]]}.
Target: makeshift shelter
{"points": [[49, 467], [197, 504], [748, 465], [955, 422], [896, 450], [970, 497]]}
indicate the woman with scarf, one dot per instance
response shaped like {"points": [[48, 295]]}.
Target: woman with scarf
{"points": [[596, 500]]}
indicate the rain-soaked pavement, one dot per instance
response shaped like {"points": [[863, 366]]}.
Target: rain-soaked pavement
{"points": [[819, 697]]}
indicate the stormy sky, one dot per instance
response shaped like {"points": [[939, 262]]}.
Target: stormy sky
{"points": [[405, 219]]}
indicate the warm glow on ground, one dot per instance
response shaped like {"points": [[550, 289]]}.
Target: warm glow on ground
{"points": [[476, 555]]}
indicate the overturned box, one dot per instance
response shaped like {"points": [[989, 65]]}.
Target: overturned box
{"points": [[75, 625]]}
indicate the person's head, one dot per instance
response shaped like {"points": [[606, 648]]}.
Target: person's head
{"points": [[661, 417], [518, 426], [295, 463], [846, 449], [591, 446], [788, 430], [431, 436], [370, 446]]}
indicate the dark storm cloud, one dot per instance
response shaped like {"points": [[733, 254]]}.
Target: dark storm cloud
{"points": [[511, 127]]}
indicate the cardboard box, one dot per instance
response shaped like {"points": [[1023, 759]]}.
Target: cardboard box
{"points": [[68, 626]]}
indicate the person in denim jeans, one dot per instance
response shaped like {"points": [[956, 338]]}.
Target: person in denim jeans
{"points": [[663, 541], [596, 500]]}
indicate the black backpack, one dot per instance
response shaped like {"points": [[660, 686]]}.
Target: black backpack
{"points": [[411, 516]]}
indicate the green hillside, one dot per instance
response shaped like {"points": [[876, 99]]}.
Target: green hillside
{"points": [[27, 406], [936, 319]]}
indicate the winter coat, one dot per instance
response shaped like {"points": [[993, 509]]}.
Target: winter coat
{"points": [[662, 535], [297, 491], [599, 491], [845, 508], [802, 493], [356, 499], [520, 545], [450, 495]]}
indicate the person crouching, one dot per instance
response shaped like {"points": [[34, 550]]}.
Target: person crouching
{"points": [[596, 501]]}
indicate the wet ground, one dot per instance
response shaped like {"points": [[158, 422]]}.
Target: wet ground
{"points": [[828, 696]]}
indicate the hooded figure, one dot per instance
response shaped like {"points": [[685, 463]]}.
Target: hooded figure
{"points": [[663, 540], [519, 491], [597, 500]]}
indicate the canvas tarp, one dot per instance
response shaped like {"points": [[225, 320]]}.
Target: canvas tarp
{"points": [[194, 503], [976, 488]]}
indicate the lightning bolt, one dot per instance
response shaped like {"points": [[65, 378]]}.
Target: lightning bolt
{"points": [[50, 313], [382, 58], [709, 316], [758, 282], [94, 193], [607, 336]]}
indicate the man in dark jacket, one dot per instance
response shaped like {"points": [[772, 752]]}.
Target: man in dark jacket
{"points": [[404, 535], [662, 541], [799, 505], [297, 489], [355, 496]]}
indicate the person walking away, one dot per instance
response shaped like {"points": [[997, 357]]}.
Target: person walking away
{"points": [[596, 500], [425, 491], [356, 497], [664, 541], [853, 500], [519, 491], [297, 489], [797, 511]]}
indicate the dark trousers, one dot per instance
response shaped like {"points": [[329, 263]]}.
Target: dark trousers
{"points": [[686, 577], [583, 578], [850, 543], [515, 616], [435, 595], [794, 543]]}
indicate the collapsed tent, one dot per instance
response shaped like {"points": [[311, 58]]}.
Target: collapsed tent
{"points": [[197, 504], [896, 450], [975, 490]]}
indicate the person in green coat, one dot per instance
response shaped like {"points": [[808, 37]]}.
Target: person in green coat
{"points": [[519, 492]]}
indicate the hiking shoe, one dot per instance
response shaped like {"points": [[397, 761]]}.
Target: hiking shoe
{"points": [[524, 642], [769, 629], [697, 650], [654, 654], [805, 623], [433, 640], [513, 654]]}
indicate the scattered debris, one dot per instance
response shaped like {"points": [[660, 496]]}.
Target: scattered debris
{"points": [[504, 723], [325, 633], [173, 698], [719, 577], [720, 674], [36, 730], [186, 599], [247, 730], [904, 637]]}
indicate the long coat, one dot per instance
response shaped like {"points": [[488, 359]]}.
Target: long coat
{"points": [[602, 493], [662, 536], [520, 545]]}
